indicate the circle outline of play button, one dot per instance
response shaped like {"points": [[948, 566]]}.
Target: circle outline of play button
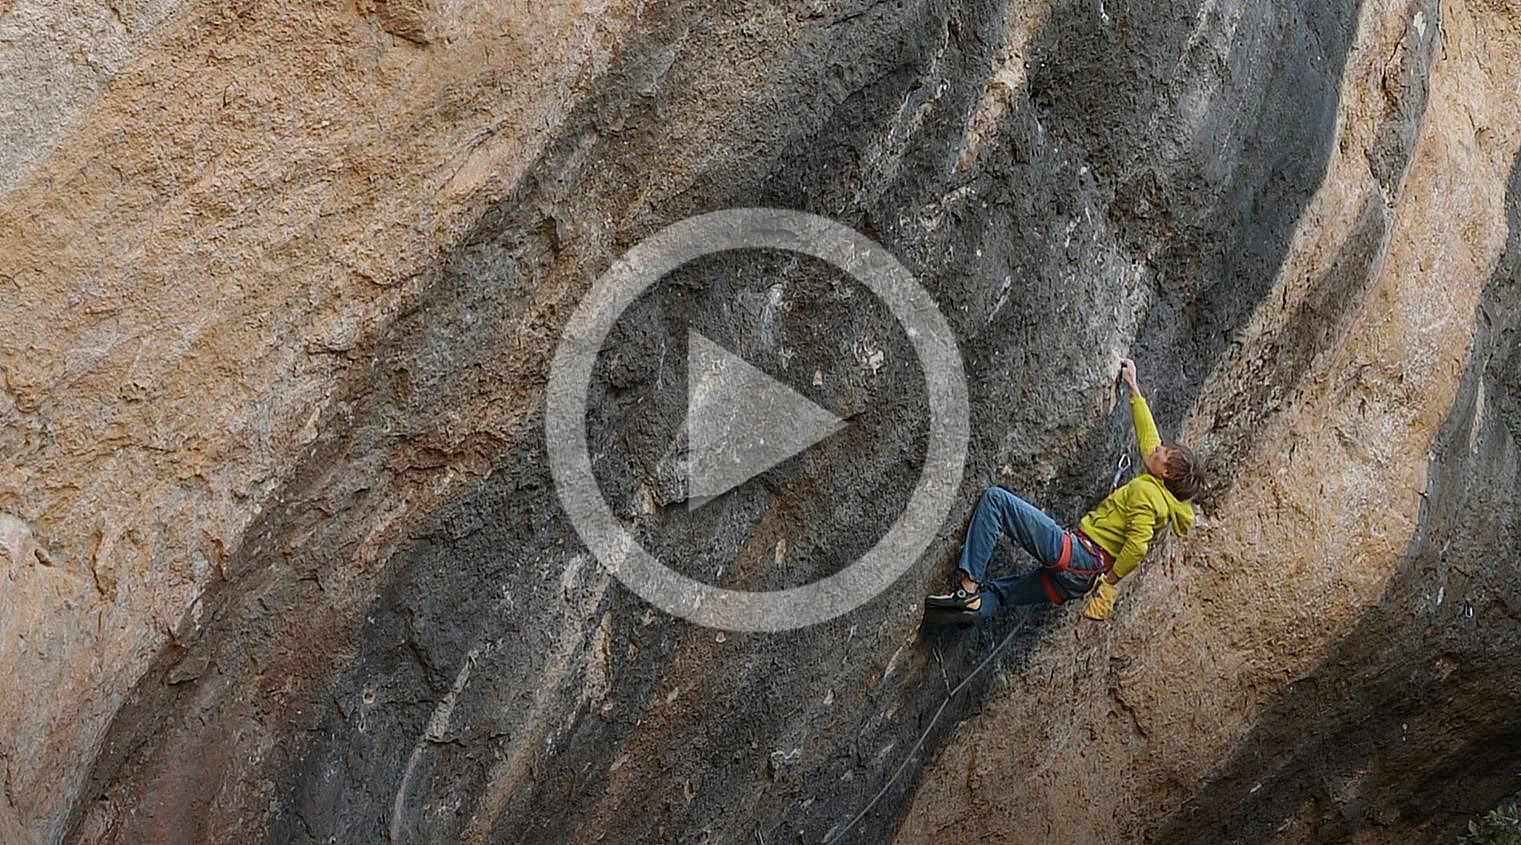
{"points": [[619, 551]]}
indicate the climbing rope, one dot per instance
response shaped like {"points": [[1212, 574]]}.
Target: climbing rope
{"points": [[949, 694]]}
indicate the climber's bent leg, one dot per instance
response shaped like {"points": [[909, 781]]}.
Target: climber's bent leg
{"points": [[1000, 510]]}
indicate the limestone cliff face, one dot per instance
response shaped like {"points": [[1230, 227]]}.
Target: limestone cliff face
{"points": [[282, 282]]}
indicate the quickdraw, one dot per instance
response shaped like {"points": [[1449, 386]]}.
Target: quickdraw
{"points": [[1119, 472]]}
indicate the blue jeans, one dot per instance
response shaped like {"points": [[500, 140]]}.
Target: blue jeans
{"points": [[1002, 511]]}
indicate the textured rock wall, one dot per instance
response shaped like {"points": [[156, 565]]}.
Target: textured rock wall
{"points": [[237, 198], [1326, 534], [283, 550]]}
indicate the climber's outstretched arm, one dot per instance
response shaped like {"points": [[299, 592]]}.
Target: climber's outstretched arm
{"points": [[1146, 435]]}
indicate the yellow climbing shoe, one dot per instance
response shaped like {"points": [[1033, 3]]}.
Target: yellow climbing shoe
{"points": [[1101, 602]]}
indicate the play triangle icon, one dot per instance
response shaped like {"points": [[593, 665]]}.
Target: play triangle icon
{"points": [[740, 421]]}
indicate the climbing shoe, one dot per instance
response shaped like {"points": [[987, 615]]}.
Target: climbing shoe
{"points": [[1101, 601], [966, 601]]}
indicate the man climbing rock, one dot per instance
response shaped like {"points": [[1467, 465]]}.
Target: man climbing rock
{"points": [[1110, 541]]}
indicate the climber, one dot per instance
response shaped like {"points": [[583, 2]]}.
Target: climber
{"points": [[1110, 541]]}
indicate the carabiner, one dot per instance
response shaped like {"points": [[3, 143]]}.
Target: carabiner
{"points": [[1119, 471]]}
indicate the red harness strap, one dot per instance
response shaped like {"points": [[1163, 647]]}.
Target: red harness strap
{"points": [[1064, 564], [1052, 593]]}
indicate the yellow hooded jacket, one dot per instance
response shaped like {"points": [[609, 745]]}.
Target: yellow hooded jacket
{"points": [[1128, 518]]}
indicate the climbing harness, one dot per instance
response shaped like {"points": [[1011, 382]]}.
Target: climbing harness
{"points": [[1102, 558], [1063, 563]]}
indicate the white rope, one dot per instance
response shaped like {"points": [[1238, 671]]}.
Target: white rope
{"points": [[835, 837]]}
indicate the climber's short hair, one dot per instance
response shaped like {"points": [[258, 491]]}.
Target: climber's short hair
{"points": [[1183, 476]]}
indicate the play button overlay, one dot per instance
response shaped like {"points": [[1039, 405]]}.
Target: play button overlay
{"points": [[741, 421]]}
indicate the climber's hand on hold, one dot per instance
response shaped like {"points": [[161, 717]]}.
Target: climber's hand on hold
{"points": [[1127, 375], [1101, 602]]}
